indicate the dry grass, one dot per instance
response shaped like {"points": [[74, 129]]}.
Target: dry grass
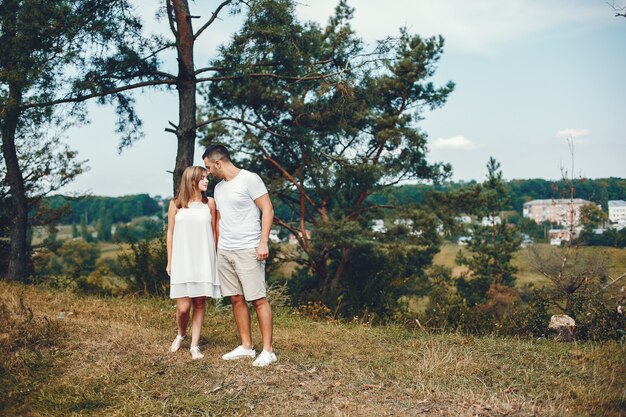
{"points": [[110, 357]]}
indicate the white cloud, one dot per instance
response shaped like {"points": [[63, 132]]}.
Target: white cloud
{"points": [[578, 133], [453, 143]]}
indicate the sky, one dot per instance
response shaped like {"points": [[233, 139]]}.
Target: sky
{"points": [[529, 75]]}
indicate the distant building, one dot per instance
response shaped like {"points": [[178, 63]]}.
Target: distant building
{"points": [[378, 226], [490, 221], [526, 240], [274, 236], [463, 219], [557, 236], [617, 211], [294, 241], [561, 211]]}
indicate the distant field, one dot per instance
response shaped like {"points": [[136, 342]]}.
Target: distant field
{"points": [[445, 257], [112, 250], [65, 232]]}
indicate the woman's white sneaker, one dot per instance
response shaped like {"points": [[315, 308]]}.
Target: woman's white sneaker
{"points": [[238, 353], [265, 358]]}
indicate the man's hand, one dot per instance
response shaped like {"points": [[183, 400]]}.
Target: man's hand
{"points": [[262, 252]]}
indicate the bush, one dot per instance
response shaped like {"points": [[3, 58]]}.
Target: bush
{"points": [[78, 257], [144, 267], [595, 320], [527, 316], [530, 317], [104, 281]]}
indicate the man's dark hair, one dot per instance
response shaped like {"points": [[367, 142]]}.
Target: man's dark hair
{"points": [[217, 152]]}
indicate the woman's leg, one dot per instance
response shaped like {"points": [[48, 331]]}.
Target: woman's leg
{"points": [[182, 318], [183, 305], [197, 319]]}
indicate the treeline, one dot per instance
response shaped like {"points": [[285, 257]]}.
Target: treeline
{"points": [[90, 209], [599, 191], [126, 208]]}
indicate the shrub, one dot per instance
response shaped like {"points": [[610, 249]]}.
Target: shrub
{"points": [[316, 311], [78, 257], [144, 267], [104, 281], [595, 320]]}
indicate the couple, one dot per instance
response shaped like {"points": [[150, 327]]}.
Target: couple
{"points": [[238, 218]]}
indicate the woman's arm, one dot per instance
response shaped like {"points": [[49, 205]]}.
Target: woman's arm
{"points": [[171, 216], [215, 220]]}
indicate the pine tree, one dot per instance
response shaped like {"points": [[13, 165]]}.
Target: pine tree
{"points": [[493, 243]]}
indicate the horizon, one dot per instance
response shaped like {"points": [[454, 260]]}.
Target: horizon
{"points": [[459, 182]]}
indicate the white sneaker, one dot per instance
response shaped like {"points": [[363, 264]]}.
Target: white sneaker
{"points": [[265, 358], [239, 352]]}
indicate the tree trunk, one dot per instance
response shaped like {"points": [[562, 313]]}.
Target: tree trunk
{"points": [[336, 279], [18, 261], [186, 85]]}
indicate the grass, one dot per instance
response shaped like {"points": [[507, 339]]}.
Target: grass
{"points": [[89, 356], [526, 274]]}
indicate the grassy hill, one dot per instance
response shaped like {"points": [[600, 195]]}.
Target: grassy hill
{"points": [[62, 354]]}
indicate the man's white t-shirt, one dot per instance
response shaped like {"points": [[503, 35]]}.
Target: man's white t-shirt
{"points": [[240, 217]]}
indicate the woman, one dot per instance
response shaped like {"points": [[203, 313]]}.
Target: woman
{"points": [[191, 263]]}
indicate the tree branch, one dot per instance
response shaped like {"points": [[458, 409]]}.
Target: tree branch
{"points": [[212, 19], [360, 210], [613, 281], [312, 77], [207, 69], [171, 18], [85, 97]]}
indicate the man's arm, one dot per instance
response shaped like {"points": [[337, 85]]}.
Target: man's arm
{"points": [[267, 218]]}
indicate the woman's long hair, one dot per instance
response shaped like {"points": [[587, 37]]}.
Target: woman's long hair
{"points": [[189, 186]]}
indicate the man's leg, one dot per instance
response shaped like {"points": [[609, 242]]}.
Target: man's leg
{"points": [[242, 319], [264, 315]]}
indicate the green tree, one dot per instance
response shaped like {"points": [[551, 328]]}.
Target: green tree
{"points": [[493, 243], [190, 75], [326, 145], [104, 223], [138, 209], [60, 48], [592, 216], [84, 232], [60, 51]]}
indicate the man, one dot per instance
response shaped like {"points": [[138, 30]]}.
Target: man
{"points": [[244, 219]]}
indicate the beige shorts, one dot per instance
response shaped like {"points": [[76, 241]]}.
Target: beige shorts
{"points": [[240, 272]]}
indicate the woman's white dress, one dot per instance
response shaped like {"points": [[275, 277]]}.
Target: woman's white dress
{"points": [[193, 264]]}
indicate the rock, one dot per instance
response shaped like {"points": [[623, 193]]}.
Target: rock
{"points": [[564, 326], [65, 314]]}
